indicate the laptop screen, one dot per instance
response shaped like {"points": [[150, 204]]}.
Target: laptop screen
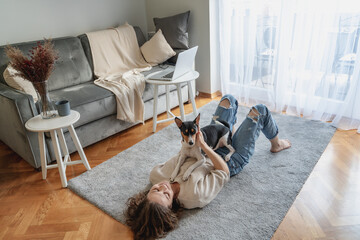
{"points": [[185, 62]]}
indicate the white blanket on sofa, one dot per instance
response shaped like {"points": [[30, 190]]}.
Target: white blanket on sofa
{"points": [[118, 64]]}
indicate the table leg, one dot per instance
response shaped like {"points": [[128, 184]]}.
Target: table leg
{"points": [[192, 99], [181, 105], [155, 106], [55, 143], [167, 101], [63, 145], [42, 154], [78, 146]]}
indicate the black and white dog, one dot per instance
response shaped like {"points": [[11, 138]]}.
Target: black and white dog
{"points": [[215, 135]]}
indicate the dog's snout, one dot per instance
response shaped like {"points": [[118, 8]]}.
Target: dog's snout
{"points": [[191, 143]]}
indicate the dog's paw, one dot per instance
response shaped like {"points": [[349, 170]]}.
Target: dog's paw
{"points": [[227, 158], [185, 177], [172, 178]]}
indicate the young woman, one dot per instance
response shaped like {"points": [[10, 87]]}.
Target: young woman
{"points": [[152, 214]]}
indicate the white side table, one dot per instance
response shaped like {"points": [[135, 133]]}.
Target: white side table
{"points": [[54, 126], [187, 78]]}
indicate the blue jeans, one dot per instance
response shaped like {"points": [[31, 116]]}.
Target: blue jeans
{"points": [[245, 136]]}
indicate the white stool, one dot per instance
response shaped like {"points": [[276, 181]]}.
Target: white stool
{"points": [[186, 78], [54, 126]]}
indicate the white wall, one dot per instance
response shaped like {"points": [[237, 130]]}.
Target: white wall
{"points": [[27, 20], [199, 31]]}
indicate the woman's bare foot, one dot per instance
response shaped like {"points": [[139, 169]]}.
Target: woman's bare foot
{"points": [[278, 144]]}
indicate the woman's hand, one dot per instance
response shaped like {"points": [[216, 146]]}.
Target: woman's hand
{"points": [[200, 142]]}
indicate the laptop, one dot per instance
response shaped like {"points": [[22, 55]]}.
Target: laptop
{"points": [[184, 64]]}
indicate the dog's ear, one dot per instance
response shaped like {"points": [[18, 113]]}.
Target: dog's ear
{"points": [[178, 122], [197, 119]]}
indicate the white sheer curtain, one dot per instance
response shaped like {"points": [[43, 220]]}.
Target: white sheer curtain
{"points": [[301, 56]]}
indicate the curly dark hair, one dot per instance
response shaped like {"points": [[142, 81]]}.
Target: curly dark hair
{"points": [[149, 220]]}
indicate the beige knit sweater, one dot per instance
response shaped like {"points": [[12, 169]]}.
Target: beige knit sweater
{"points": [[202, 186]]}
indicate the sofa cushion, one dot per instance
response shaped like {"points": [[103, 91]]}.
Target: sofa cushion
{"points": [[91, 101], [157, 50], [175, 29], [94, 102], [71, 68], [139, 35], [18, 82]]}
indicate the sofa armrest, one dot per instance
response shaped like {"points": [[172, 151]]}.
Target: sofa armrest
{"points": [[16, 108]]}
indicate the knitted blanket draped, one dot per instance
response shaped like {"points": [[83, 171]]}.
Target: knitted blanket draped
{"points": [[118, 64]]}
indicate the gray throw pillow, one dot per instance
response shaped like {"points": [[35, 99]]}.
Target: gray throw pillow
{"points": [[175, 29]]}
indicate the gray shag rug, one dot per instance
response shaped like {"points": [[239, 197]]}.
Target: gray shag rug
{"points": [[250, 206]]}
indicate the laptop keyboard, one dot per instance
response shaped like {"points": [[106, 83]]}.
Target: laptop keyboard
{"points": [[169, 75]]}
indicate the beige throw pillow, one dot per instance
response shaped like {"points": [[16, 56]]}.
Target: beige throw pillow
{"points": [[19, 83], [157, 50]]}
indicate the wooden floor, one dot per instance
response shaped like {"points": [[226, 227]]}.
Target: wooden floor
{"points": [[328, 206]]}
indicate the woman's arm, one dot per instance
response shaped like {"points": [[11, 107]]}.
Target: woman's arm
{"points": [[218, 162]]}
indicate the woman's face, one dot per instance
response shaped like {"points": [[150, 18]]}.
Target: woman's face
{"points": [[161, 193]]}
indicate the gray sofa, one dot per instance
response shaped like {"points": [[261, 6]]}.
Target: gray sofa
{"points": [[72, 79]]}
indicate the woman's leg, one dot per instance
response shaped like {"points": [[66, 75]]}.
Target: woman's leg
{"points": [[226, 110], [278, 144], [258, 119]]}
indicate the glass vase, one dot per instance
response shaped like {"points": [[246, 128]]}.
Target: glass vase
{"points": [[45, 104]]}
